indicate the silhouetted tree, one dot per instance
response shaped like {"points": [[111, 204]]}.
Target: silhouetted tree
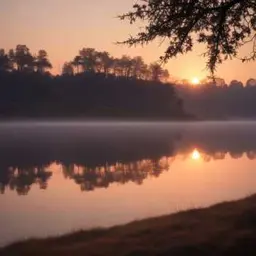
{"points": [[77, 62], [42, 62], [116, 67], [125, 65], [4, 61], [251, 82], [104, 62], [145, 72], [88, 59], [236, 84], [11, 56], [217, 81], [138, 66], [68, 69], [224, 26], [165, 75], [23, 58], [220, 82], [156, 71]]}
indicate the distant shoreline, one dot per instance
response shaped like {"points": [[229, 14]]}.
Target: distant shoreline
{"points": [[227, 228], [99, 118], [121, 119]]}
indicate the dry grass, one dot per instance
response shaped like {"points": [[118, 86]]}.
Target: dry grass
{"points": [[224, 229]]}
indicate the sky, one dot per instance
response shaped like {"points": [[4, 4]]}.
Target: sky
{"points": [[63, 27]]}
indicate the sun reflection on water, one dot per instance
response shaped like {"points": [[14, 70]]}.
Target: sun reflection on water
{"points": [[195, 154]]}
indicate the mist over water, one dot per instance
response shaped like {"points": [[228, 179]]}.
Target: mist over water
{"points": [[57, 177]]}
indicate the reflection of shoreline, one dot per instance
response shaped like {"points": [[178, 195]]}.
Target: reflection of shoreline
{"points": [[26, 152], [87, 178], [207, 156], [102, 176]]}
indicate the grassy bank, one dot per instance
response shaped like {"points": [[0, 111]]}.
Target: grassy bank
{"points": [[224, 229]]}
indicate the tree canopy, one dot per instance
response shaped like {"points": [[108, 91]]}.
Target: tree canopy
{"points": [[22, 60], [103, 86], [223, 25], [93, 61], [88, 60]]}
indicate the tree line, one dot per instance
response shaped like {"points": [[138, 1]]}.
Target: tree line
{"points": [[218, 81], [217, 100], [87, 60], [93, 84], [91, 60], [22, 60]]}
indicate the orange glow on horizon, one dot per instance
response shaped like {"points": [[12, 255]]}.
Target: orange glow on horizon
{"points": [[195, 81], [69, 27]]}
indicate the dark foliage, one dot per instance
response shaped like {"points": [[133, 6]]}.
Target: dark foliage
{"points": [[223, 26], [210, 101], [94, 84], [85, 95], [97, 156]]}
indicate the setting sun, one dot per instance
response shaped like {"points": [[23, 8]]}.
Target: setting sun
{"points": [[195, 155], [195, 81]]}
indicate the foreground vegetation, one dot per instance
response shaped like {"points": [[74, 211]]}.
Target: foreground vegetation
{"points": [[224, 229]]}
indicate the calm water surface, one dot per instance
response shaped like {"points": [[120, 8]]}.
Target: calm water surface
{"points": [[61, 177]]}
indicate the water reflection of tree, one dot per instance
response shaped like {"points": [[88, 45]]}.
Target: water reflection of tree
{"points": [[251, 155], [209, 155], [88, 178], [102, 176], [21, 179], [91, 177]]}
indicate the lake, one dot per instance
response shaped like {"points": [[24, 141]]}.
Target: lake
{"points": [[59, 177]]}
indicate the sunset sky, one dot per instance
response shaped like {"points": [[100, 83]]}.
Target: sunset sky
{"points": [[62, 27]]}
